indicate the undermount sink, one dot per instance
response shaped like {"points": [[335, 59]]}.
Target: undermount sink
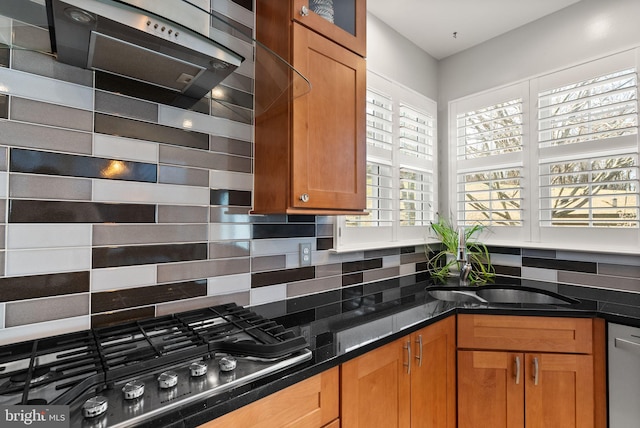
{"points": [[499, 294]]}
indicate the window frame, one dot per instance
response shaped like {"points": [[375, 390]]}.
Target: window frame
{"points": [[353, 238], [534, 234]]}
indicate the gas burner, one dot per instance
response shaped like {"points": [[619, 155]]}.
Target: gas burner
{"points": [[17, 381]]}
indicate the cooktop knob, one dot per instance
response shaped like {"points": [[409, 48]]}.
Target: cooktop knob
{"points": [[227, 363], [168, 379], [198, 368], [133, 389], [94, 406]]}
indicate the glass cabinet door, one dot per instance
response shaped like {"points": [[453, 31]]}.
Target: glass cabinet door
{"points": [[343, 21]]}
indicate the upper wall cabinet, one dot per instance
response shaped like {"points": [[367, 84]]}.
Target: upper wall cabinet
{"points": [[343, 21], [310, 146]]}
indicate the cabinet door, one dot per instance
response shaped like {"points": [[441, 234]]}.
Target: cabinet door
{"points": [[490, 389], [311, 403], [329, 125], [376, 388], [433, 376], [349, 21], [559, 391]]}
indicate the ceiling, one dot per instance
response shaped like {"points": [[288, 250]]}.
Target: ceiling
{"points": [[431, 24]]}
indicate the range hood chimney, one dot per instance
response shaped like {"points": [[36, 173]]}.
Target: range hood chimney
{"points": [[158, 42]]}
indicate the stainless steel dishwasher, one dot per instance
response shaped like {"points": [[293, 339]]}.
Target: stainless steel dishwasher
{"points": [[624, 376]]}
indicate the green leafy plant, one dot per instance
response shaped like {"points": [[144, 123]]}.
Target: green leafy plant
{"points": [[441, 263]]}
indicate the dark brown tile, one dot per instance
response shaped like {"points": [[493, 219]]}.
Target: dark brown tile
{"points": [[4, 99], [262, 279], [28, 211], [240, 198], [103, 257], [360, 265], [324, 243], [230, 26], [354, 278], [117, 317], [112, 125], [145, 91], [247, 4], [36, 162], [267, 231], [566, 265], [231, 112], [32, 287], [5, 52], [132, 297]]}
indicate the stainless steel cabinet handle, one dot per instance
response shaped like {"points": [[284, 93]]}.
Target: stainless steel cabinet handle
{"points": [[304, 197], [517, 370], [304, 11], [627, 345], [408, 348], [535, 371], [419, 355]]}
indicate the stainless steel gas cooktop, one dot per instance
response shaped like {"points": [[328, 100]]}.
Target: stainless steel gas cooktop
{"points": [[123, 375]]}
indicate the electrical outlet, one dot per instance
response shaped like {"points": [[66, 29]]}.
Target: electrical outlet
{"points": [[305, 254]]}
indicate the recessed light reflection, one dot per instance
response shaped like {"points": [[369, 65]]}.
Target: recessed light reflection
{"points": [[115, 168], [187, 123]]}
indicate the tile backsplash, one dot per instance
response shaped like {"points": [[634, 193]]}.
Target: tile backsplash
{"points": [[116, 207]]}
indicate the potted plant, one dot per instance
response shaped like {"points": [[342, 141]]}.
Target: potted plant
{"points": [[443, 264]]}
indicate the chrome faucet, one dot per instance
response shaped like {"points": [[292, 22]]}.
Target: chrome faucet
{"points": [[464, 263]]}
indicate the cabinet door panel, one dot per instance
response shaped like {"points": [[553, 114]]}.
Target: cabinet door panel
{"points": [[564, 395], [329, 125], [433, 377], [375, 388], [489, 392]]}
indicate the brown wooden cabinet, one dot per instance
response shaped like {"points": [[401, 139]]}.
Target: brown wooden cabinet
{"points": [[556, 380], [407, 383], [311, 403], [310, 149]]}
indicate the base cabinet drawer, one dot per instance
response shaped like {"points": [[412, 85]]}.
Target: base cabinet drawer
{"points": [[312, 403]]}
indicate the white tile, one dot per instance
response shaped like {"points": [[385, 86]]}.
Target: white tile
{"points": [[41, 88], [22, 236], [4, 184], [225, 232], [390, 261], [109, 146], [228, 284], [152, 193], [271, 293], [549, 275], [44, 329], [32, 262], [122, 277], [230, 180], [184, 119], [407, 269], [270, 247]]}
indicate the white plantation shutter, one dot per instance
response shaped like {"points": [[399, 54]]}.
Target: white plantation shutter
{"points": [[379, 120], [401, 176], [588, 147], [416, 197], [489, 136]]}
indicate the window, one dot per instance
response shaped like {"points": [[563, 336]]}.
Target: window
{"points": [[401, 178], [489, 160], [553, 157]]}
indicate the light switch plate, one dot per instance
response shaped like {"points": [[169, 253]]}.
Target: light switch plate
{"points": [[305, 254]]}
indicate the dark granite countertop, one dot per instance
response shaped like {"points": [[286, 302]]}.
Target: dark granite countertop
{"points": [[341, 325]]}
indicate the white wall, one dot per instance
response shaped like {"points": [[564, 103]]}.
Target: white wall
{"points": [[395, 57], [586, 30]]}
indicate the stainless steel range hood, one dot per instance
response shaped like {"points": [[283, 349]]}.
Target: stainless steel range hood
{"points": [[163, 43]]}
